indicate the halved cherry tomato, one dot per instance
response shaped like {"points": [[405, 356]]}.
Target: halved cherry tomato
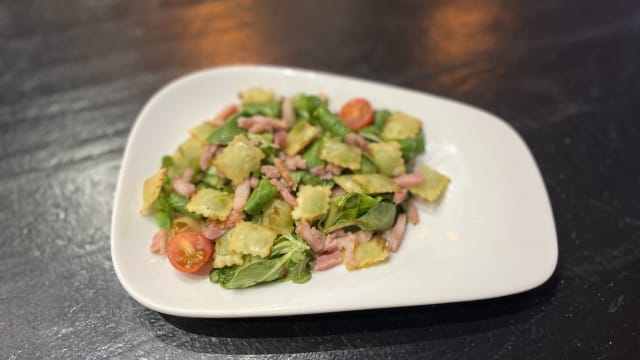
{"points": [[188, 251], [357, 114]]}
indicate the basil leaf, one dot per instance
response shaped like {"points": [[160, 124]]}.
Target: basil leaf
{"points": [[167, 161], [379, 217], [366, 165], [290, 259], [260, 197], [225, 133], [330, 122], [269, 108], [179, 204], [163, 219], [304, 178], [312, 155], [305, 105], [412, 147], [347, 208], [374, 130]]}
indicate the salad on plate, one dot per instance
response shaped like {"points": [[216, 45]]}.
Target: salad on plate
{"points": [[274, 188]]}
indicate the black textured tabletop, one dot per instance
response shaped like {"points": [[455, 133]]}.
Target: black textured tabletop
{"points": [[74, 75]]}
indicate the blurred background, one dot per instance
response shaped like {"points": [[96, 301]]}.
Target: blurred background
{"points": [[74, 75]]}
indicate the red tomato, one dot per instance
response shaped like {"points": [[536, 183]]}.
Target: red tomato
{"points": [[188, 251], [357, 114]]}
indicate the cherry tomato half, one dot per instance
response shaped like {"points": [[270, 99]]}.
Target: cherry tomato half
{"points": [[357, 114], [188, 251]]}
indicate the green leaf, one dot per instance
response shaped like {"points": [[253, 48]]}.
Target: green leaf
{"points": [[348, 207], [165, 205], [330, 122], [269, 108], [254, 270], [212, 180], [179, 204], [304, 178], [260, 197], [225, 133], [412, 147], [379, 217], [299, 271], [167, 161], [312, 155], [290, 259], [374, 130], [366, 165], [305, 105], [163, 219]]}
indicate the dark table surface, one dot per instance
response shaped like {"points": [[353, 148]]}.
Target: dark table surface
{"points": [[74, 74]]}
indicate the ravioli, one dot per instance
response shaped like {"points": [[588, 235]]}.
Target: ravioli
{"points": [[239, 159], [212, 204], [252, 239]]}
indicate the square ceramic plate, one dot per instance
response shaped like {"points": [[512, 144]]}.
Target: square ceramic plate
{"points": [[492, 235]]}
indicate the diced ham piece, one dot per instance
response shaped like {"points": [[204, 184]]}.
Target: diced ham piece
{"points": [[182, 185], [187, 174], [260, 124], [240, 198], [311, 235], [234, 217], [214, 229], [412, 212], [284, 172], [326, 172], [322, 96], [340, 240], [400, 196], [354, 139], [224, 114], [396, 233], [333, 169], [362, 236], [270, 171], [327, 261], [206, 155], [280, 138], [288, 112], [332, 240], [348, 243], [317, 170], [159, 242], [253, 181], [337, 191], [408, 180], [219, 151], [294, 162], [284, 192]]}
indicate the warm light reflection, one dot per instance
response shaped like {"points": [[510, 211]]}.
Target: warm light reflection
{"points": [[216, 33], [462, 28]]}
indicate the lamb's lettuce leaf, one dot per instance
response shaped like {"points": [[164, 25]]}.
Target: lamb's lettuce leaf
{"points": [[360, 212], [290, 259]]}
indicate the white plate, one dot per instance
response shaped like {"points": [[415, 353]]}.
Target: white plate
{"points": [[492, 235]]}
